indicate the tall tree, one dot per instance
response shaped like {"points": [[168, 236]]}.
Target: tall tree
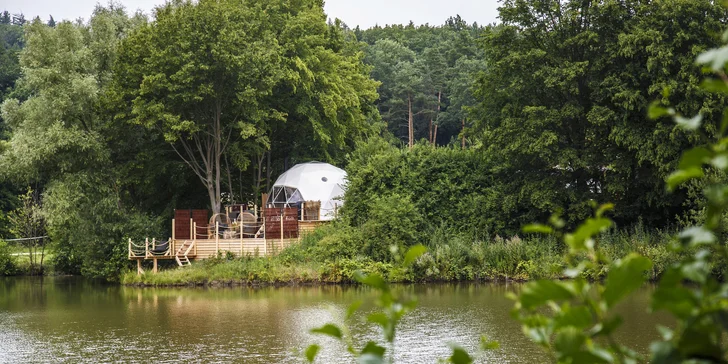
{"points": [[211, 74], [61, 140], [402, 82], [561, 102], [434, 51]]}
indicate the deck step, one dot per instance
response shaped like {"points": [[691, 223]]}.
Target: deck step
{"points": [[182, 260]]}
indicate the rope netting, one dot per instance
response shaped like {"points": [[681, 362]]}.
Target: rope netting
{"points": [[152, 247]]}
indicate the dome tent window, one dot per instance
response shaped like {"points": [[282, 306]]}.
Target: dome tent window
{"points": [[310, 182], [285, 197]]}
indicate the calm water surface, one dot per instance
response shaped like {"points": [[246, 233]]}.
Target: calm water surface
{"points": [[75, 320]]}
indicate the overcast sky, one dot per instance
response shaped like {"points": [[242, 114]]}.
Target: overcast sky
{"points": [[364, 13]]}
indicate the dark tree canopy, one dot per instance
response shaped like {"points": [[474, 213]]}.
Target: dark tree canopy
{"points": [[425, 72], [562, 103]]}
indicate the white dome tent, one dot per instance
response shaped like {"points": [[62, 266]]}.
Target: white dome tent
{"points": [[312, 181]]}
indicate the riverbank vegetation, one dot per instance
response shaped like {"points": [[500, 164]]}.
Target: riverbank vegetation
{"points": [[453, 136], [322, 258]]}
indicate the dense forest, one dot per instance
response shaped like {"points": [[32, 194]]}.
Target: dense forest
{"points": [[460, 130]]}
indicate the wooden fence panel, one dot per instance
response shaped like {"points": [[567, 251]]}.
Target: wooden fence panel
{"points": [[182, 224], [273, 223]]}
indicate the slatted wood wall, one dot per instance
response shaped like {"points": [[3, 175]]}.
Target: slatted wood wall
{"points": [[273, 223], [182, 224], [201, 218]]}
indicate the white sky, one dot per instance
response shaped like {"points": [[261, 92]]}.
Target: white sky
{"points": [[364, 13]]}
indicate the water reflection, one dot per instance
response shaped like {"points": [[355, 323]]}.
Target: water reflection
{"points": [[76, 320]]}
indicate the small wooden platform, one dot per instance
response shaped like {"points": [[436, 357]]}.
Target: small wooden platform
{"points": [[184, 250], [207, 248], [192, 238]]}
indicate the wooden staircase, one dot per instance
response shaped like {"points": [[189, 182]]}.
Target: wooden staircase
{"points": [[182, 254]]}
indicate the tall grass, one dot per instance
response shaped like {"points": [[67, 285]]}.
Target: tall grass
{"points": [[330, 256]]}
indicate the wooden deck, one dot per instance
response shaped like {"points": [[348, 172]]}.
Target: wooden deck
{"points": [[192, 238], [206, 248], [186, 250]]}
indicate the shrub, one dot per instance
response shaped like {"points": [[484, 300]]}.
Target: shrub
{"points": [[8, 264], [392, 221]]}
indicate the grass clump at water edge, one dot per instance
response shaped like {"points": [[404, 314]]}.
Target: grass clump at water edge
{"points": [[327, 257]]}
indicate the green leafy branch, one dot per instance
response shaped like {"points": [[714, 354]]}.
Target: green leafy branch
{"points": [[392, 307], [574, 320]]}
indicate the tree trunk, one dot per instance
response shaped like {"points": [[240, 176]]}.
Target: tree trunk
{"points": [[267, 174], [42, 254], [218, 154], [211, 191], [410, 122], [230, 181], [259, 177], [204, 152], [434, 136]]}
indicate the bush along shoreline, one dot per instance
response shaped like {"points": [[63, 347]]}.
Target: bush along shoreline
{"points": [[319, 260]]}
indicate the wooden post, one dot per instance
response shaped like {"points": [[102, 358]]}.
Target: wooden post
{"points": [[193, 230], [282, 227], [140, 271], [154, 270], [241, 236], [146, 247], [303, 210], [194, 237], [217, 237], [130, 248], [172, 241]]}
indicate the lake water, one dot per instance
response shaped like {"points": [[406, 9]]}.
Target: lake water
{"points": [[76, 320]]}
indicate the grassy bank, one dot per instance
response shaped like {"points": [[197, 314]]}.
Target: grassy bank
{"points": [[315, 260], [15, 260]]}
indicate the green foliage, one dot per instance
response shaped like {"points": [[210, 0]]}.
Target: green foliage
{"points": [[449, 187], [393, 225], [392, 307], [258, 74], [62, 140], [90, 229], [692, 289], [328, 243], [27, 222], [560, 107], [579, 325], [426, 73], [8, 265], [11, 42], [332, 254]]}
